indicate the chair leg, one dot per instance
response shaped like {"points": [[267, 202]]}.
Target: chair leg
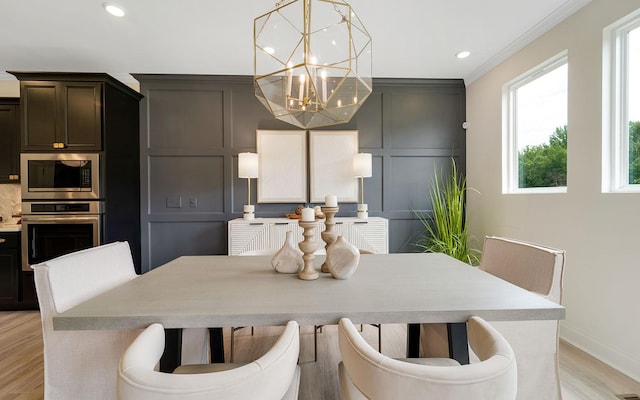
{"points": [[315, 342], [316, 328], [379, 326], [233, 331]]}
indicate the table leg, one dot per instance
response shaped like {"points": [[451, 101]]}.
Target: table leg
{"points": [[458, 342], [172, 355], [413, 340], [216, 344]]}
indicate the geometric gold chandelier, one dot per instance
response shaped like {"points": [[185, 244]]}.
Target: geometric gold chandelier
{"points": [[312, 62]]}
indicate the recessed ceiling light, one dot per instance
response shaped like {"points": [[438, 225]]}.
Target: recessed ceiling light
{"points": [[114, 9], [463, 54]]}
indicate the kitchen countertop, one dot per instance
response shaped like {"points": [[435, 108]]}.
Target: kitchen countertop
{"points": [[10, 227]]}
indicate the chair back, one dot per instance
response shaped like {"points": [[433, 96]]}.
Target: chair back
{"points": [[533, 267], [538, 269], [81, 364], [268, 378], [377, 376]]}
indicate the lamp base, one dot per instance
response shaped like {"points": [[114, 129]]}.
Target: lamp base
{"points": [[363, 211], [248, 211]]}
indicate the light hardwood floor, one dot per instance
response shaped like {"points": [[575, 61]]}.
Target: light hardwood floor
{"points": [[21, 365]]}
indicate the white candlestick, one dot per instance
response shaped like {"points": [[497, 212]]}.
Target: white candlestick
{"points": [[331, 200], [308, 214], [301, 90], [289, 79], [323, 75]]}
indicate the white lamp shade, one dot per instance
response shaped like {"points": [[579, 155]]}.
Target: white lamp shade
{"points": [[362, 165], [247, 165]]}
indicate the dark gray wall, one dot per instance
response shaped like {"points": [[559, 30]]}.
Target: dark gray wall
{"points": [[193, 127]]}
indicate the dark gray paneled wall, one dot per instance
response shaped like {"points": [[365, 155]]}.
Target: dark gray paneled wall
{"points": [[193, 127]]}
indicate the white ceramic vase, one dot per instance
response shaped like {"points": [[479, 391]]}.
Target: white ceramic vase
{"points": [[342, 258], [288, 259]]}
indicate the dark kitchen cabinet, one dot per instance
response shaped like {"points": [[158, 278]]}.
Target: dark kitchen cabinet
{"points": [[61, 115], [17, 289], [92, 113], [9, 140], [9, 267]]}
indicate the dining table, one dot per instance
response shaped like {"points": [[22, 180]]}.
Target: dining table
{"points": [[232, 291]]}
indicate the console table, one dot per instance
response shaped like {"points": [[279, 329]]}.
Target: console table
{"points": [[371, 234]]}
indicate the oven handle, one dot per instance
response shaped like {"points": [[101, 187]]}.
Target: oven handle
{"points": [[69, 219]]}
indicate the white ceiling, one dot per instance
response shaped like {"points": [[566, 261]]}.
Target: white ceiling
{"points": [[411, 38]]}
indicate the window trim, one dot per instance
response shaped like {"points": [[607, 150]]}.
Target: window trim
{"points": [[615, 116], [510, 176]]}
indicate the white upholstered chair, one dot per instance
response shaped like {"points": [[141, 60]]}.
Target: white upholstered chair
{"points": [[83, 364], [273, 376], [538, 269], [366, 374]]}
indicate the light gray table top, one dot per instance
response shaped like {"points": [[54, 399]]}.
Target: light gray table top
{"points": [[219, 291]]}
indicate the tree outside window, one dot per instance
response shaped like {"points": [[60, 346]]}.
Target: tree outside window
{"points": [[536, 145]]}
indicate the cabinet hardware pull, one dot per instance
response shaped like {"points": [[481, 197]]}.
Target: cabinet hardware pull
{"points": [[282, 223], [256, 223], [360, 222]]}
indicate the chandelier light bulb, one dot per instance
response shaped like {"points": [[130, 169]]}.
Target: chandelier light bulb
{"points": [[114, 9]]}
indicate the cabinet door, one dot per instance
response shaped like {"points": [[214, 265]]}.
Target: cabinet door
{"points": [[370, 235], [9, 268], [61, 116], [9, 143], [278, 234], [248, 236], [81, 116], [40, 109]]}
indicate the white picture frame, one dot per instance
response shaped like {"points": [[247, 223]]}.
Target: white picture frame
{"points": [[282, 171], [331, 165]]}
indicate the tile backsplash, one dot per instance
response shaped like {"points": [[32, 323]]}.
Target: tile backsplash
{"points": [[9, 201]]}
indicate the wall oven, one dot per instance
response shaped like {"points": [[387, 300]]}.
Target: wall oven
{"points": [[54, 228], [60, 176]]}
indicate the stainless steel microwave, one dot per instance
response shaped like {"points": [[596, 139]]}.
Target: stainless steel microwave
{"points": [[60, 175]]}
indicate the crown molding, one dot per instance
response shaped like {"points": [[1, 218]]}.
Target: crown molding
{"points": [[560, 14]]}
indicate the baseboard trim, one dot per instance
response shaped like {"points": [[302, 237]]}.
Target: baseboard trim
{"points": [[611, 357]]}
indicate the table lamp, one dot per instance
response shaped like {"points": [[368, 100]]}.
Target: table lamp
{"points": [[362, 169], [248, 168]]}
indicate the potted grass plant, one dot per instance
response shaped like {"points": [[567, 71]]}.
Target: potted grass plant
{"points": [[445, 229]]}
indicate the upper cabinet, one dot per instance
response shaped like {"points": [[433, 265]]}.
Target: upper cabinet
{"points": [[61, 115], [9, 140], [65, 111]]}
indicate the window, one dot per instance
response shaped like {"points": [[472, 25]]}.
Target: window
{"points": [[535, 129], [621, 106]]}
